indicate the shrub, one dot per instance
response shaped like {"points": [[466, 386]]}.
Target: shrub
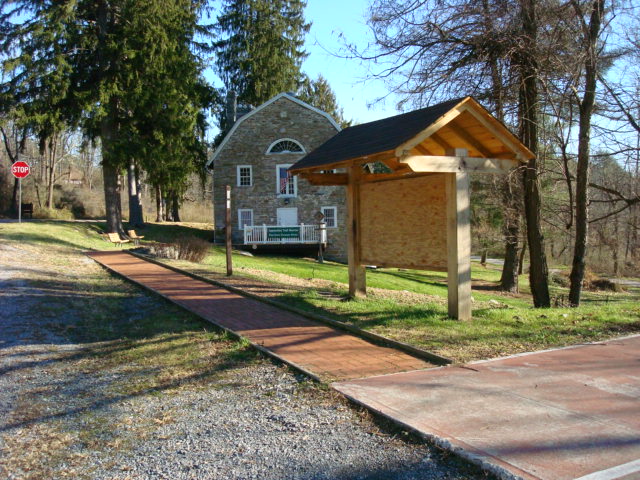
{"points": [[192, 249], [53, 213]]}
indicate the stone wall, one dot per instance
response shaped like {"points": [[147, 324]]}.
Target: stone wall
{"points": [[282, 119]]}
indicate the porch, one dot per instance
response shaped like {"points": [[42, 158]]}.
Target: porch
{"points": [[285, 234]]}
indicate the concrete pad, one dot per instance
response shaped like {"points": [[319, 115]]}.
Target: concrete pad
{"points": [[561, 414]]}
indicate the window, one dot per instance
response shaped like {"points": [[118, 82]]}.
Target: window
{"points": [[245, 218], [285, 145], [330, 216], [287, 184], [245, 176]]}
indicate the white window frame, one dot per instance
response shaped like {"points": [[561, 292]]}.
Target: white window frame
{"points": [[335, 216], [278, 180], [269, 152], [239, 177], [240, 212]]}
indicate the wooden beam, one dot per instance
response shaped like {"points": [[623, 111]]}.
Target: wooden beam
{"points": [[406, 147], [383, 177], [357, 272], [326, 178], [458, 245], [512, 143], [467, 138], [441, 141], [423, 150], [437, 163]]}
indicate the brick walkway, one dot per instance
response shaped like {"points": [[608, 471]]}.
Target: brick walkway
{"points": [[326, 352]]}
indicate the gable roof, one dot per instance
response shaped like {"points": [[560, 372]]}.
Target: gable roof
{"points": [[288, 96], [406, 131]]}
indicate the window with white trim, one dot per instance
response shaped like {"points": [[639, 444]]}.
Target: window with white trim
{"points": [[286, 184], [245, 175], [285, 145], [330, 216], [245, 218]]}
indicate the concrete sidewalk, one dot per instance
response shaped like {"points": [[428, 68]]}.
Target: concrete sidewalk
{"points": [[555, 415], [323, 351], [561, 414]]}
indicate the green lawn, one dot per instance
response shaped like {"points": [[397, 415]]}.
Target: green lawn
{"points": [[416, 313]]}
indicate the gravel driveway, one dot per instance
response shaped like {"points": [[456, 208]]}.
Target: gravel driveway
{"points": [[64, 415]]}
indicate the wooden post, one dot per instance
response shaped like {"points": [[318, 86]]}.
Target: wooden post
{"points": [[357, 272], [458, 245], [227, 231]]}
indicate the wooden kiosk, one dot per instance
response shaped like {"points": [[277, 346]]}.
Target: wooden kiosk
{"points": [[416, 216]]}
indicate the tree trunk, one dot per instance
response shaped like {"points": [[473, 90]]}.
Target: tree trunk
{"points": [[509, 277], [159, 209], [528, 112], [136, 218], [112, 199], [49, 154], [584, 141], [166, 207], [175, 207], [523, 252]]}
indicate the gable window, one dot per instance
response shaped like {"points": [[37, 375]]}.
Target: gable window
{"points": [[330, 216], [245, 175], [245, 218], [285, 145], [287, 184]]}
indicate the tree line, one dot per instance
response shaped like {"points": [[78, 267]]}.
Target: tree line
{"points": [[128, 75], [564, 75]]}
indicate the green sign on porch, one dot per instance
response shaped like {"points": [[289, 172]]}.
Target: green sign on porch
{"points": [[283, 233]]}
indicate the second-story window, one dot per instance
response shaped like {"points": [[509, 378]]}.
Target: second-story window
{"points": [[285, 145], [287, 185], [245, 176]]}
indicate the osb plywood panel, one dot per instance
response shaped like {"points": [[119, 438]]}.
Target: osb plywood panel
{"points": [[403, 223]]}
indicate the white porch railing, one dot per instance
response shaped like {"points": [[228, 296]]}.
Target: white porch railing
{"points": [[283, 234]]}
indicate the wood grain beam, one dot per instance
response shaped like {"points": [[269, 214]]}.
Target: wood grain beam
{"points": [[462, 134], [406, 147], [437, 163], [441, 142]]}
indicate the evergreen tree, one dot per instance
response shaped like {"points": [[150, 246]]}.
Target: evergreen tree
{"points": [[115, 67], [261, 48], [319, 94]]}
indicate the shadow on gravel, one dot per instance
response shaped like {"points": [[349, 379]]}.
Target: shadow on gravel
{"points": [[234, 360], [107, 326]]}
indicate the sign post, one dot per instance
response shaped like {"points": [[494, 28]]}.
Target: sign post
{"points": [[319, 216], [20, 170], [227, 232]]}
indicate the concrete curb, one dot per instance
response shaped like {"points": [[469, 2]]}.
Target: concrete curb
{"points": [[433, 439], [373, 337], [478, 460]]}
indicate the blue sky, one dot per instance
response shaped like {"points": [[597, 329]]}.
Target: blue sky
{"points": [[330, 18]]}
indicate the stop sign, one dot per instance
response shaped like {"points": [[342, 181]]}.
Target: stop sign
{"points": [[20, 169]]}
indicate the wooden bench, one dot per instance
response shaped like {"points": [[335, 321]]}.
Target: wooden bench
{"points": [[115, 238], [27, 209], [133, 236]]}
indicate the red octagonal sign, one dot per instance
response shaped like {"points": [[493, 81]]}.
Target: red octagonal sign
{"points": [[20, 169]]}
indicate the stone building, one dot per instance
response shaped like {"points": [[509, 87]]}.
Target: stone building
{"points": [[269, 206]]}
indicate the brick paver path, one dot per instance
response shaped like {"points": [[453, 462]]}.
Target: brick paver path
{"points": [[328, 353]]}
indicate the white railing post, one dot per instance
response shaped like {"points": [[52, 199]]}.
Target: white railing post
{"points": [[302, 233], [264, 233]]}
